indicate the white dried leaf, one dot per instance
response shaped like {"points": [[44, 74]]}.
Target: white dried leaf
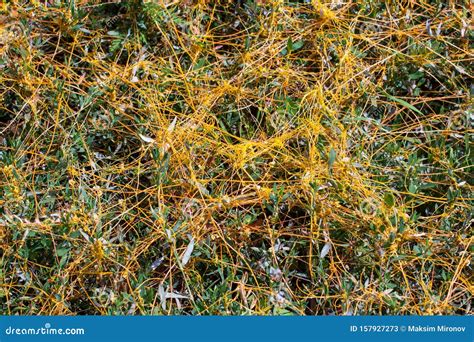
{"points": [[324, 186], [408, 15], [325, 250], [188, 252], [132, 309], [174, 295], [25, 234], [165, 148], [428, 27], [161, 292], [201, 188], [84, 234], [461, 70], [157, 263], [20, 274], [178, 304], [146, 139], [438, 29], [172, 125], [463, 29]]}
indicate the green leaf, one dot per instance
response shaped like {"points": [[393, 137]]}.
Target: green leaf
{"points": [[399, 257], [332, 158], [62, 251], [289, 44], [292, 46], [63, 260], [283, 312], [412, 188], [298, 45], [404, 103], [389, 199], [417, 250], [416, 75]]}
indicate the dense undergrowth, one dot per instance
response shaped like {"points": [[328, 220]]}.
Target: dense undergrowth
{"points": [[236, 157]]}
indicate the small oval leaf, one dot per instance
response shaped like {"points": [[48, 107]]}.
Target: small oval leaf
{"points": [[331, 158], [325, 250], [188, 252], [389, 199], [146, 139]]}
